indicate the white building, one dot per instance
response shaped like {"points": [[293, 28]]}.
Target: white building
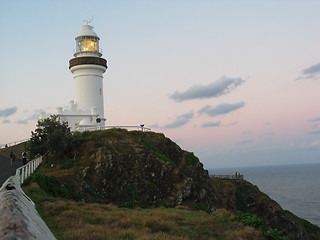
{"points": [[87, 66]]}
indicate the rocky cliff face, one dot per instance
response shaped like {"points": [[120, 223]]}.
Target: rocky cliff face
{"points": [[136, 168], [147, 169]]}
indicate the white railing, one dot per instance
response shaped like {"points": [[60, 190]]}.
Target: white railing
{"points": [[26, 170], [19, 217], [13, 143], [97, 128]]}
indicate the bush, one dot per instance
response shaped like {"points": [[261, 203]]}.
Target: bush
{"points": [[153, 150], [52, 137], [252, 220], [191, 159], [52, 186]]}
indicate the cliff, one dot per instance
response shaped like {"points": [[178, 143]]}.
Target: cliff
{"points": [[146, 169]]}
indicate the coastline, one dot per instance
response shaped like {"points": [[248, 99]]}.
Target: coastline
{"points": [[292, 186]]}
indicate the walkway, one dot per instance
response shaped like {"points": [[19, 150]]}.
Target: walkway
{"points": [[5, 170]]}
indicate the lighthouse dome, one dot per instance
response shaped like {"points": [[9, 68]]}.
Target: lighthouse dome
{"points": [[87, 31]]}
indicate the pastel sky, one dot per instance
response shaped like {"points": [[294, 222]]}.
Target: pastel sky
{"points": [[235, 82]]}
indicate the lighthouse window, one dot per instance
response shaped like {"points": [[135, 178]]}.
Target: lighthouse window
{"points": [[88, 45], [100, 91]]}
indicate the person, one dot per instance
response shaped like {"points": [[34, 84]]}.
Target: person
{"points": [[13, 158], [24, 157]]}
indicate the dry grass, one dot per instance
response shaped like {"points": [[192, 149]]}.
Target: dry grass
{"points": [[75, 220], [70, 220], [246, 233]]}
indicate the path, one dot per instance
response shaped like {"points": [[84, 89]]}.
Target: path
{"points": [[5, 170]]}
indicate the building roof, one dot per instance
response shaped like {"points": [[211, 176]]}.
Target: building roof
{"points": [[87, 31]]}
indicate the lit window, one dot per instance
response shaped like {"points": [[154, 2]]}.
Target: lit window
{"points": [[88, 45]]}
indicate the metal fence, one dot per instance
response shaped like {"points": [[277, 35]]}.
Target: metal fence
{"points": [[13, 143], [229, 177]]}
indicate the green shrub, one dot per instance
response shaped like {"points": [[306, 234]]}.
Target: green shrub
{"points": [[69, 163], [154, 151], [191, 159], [305, 224], [260, 224], [251, 220], [52, 186]]}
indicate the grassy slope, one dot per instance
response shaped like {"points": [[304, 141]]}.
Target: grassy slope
{"points": [[77, 220]]}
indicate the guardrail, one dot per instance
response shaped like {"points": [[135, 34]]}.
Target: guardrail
{"points": [[26, 170], [96, 128], [13, 143], [229, 177], [19, 217]]}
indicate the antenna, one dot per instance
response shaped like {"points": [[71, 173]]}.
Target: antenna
{"points": [[88, 21]]}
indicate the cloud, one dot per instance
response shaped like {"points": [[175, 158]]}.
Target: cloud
{"points": [[245, 141], [211, 124], [8, 111], [247, 132], [180, 120], [177, 140], [21, 121], [311, 72], [269, 134], [314, 69], [221, 109], [155, 125], [232, 124], [315, 132], [6, 121], [315, 120], [315, 144], [34, 116], [218, 88]]}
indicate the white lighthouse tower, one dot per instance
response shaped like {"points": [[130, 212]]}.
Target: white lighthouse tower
{"points": [[87, 67]]}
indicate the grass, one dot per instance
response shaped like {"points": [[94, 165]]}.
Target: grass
{"points": [[70, 220], [154, 150], [191, 159]]}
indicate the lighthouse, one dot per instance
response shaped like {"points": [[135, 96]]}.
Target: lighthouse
{"points": [[87, 67]]}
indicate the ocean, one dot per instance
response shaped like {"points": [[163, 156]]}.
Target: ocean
{"points": [[295, 187]]}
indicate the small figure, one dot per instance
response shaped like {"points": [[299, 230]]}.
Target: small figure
{"points": [[24, 157], [13, 158], [6, 145]]}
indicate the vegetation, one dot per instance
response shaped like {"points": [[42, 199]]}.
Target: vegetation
{"points": [[153, 150], [131, 170], [77, 220], [51, 137], [191, 158], [242, 191], [261, 224]]}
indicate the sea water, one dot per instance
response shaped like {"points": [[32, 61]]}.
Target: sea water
{"points": [[295, 187]]}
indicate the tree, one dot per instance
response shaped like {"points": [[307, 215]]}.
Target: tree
{"points": [[51, 137]]}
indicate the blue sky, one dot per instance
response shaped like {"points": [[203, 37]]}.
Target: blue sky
{"points": [[235, 82]]}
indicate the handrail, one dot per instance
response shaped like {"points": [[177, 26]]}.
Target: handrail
{"points": [[26, 170], [96, 128], [19, 217], [13, 143], [229, 177]]}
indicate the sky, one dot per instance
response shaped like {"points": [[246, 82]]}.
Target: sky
{"points": [[235, 82]]}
